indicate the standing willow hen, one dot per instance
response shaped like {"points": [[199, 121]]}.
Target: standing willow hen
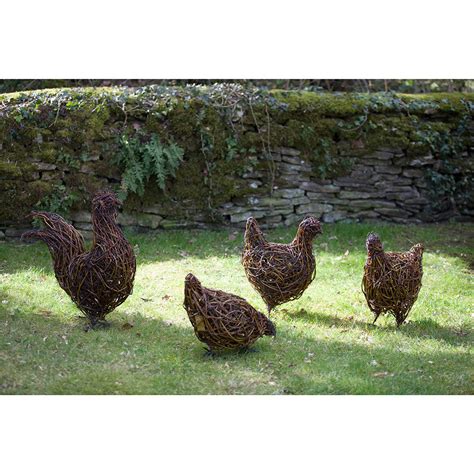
{"points": [[280, 272], [392, 280], [99, 280], [223, 320]]}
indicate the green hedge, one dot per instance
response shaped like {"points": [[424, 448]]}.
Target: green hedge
{"points": [[186, 147]]}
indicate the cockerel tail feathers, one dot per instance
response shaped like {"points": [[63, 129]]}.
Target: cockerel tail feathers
{"points": [[56, 233]]}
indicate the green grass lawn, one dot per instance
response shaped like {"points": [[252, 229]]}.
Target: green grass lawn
{"points": [[325, 343]]}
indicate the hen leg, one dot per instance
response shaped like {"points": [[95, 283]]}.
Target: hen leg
{"points": [[209, 353], [376, 316]]}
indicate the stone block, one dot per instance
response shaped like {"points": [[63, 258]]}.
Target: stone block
{"points": [[422, 161], [388, 169], [272, 219], [366, 215], [292, 219], [353, 195], [81, 216], [287, 151], [151, 221], [243, 216], [314, 208], [83, 226], [254, 184], [289, 193], [127, 219], [293, 160], [300, 200], [382, 154], [393, 212], [320, 188], [413, 173], [371, 204], [15, 233], [335, 216]]}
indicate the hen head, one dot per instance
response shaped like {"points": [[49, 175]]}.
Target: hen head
{"points": [[191, 282], [310, 227], [373, 244], [418, 249], [105, 202], [253, 233], [252, 225]]}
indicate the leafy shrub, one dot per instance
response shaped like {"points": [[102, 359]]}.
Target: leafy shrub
{"points": [[59, 200]]}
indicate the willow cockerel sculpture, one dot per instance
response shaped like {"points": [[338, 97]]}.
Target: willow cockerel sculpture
{"points": [[280, 272], [223, 320], [99, 280], [392, 280]]}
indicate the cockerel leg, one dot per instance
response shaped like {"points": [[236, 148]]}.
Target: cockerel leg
{"points": [[97, 324], [376, 316]]}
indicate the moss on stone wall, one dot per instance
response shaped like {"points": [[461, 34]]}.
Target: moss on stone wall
{"points": [[70, 137]]}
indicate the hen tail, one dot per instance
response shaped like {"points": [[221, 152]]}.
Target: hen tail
{"points": [[270, 329], [63, 240], [253, 234]]}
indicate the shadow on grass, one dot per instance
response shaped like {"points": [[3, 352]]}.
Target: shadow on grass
{"points": [[142, 355], [416, 328]]}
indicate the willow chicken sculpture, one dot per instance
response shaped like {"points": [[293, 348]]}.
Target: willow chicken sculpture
{"points": [[98, 280], [392, 280], [280, 272], [223, 320]]}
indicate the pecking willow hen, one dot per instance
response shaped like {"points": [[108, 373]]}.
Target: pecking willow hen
{"points": [[280, 272], [98, 280], [391, 280], [223, 320]]}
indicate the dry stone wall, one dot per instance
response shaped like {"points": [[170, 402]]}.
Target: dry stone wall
{"points": [[56, 146], [386, 185]]}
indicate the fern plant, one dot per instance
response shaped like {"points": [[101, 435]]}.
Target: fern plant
{"points": [[142, 160]]}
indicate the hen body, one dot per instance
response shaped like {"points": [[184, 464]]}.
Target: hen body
{"points": [[392, 280], [99, 280], [280, 272], [223, 320]]}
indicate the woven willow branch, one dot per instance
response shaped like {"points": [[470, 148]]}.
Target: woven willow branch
{"points": [[280, 272], [223, 320], [391, 280], [99, 280]]}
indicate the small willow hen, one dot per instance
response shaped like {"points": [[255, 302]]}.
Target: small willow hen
{"points": [[223, 320], [99, 280], [392, 280], [280, 272]]}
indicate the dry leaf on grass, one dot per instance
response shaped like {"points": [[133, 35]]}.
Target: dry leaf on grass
{"points": [[382, 374]]}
